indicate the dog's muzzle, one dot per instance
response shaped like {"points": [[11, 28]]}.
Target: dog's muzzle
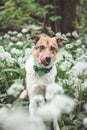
{"points": [[45, 60]]}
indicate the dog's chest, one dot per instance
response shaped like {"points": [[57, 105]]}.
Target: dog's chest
{"points": [[33, 78]]}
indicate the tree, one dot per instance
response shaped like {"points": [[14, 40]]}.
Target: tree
{"points": [[67, 10]]}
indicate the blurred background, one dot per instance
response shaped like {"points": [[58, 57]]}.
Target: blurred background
{"points": [[61, 15]]}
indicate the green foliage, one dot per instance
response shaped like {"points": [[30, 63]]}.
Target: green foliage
{"points": [[81, 11], [13, 71], [55, 18], [75, 120], [17, 13]]}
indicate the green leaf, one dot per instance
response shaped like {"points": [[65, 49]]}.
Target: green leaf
{"points": [[3, 95], [65, 128], [55, 18], [21, 72], [81, 115], [49, 6], [10, 69], [71, 116], [20, 81]]}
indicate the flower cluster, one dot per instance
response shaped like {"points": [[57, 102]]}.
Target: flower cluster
{"points": [[85, 119], [6, 58], [56, 104], [15, 89], [72, 61], [15, 49]]}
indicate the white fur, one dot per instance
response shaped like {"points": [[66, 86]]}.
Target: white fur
{"points": [[33, 79]]}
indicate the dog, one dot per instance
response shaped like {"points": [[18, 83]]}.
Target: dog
{"points": [[40, 67]]}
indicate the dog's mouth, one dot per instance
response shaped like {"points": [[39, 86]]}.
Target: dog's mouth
{"points": [[45, 60]]}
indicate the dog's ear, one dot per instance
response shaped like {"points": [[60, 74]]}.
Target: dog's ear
{"points": [[35, 38], [61, 40]]}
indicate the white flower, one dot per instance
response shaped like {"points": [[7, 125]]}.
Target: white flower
{"points": [[19, 43], [64, 103], [68, 34], [83, 47], [25, 30], [52, 90], [28, 36], [15, 33], [15, 89], [14, 39], [7, 36], [80, 68], [6, 56], [58, 34], [19, 35], [65, 65], [10, 32], [69, 46], [48, 112], [64, 55], [9, 59], [11, 44], [1, 49], [34, 27], [74, 82], [85, 107], [78, 42], [79, 52], [85, 121], [84, 84], [63, 37], [58, 105], [82, 58], [75, 34], [16, 51], [17, 119], [2, 53], [21, 62], [3, 111], [1, 37], [35, 123]]}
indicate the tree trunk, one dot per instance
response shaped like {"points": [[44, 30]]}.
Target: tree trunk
{"points": [[68, 14], [67, 10]]}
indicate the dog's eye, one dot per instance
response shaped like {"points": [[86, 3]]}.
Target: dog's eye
{"points": [[41, 48], [52, 49]]}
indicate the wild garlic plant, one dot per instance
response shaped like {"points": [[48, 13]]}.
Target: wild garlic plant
{"points": [[15, 49]]}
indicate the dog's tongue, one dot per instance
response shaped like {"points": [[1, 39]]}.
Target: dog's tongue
{"points": [[43, 60]]}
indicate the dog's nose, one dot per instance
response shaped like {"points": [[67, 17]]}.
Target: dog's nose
{"points": [[48, 59]]}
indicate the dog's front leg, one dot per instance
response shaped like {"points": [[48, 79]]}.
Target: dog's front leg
{"points": [[37, 94], [24, 94], [55, 125], [32, 107]]}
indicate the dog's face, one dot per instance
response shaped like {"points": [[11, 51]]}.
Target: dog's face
{"points": [[45, 50]]}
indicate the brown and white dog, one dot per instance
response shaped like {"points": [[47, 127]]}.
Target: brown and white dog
{"points": [[40, 67]]}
